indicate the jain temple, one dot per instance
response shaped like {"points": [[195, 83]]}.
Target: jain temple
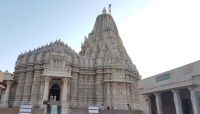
{"points": [[101, 74]]}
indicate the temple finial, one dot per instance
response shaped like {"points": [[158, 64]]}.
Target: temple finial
{"points": [[104, 10]]}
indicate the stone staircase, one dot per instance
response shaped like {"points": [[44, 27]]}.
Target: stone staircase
{"points": [[58, 103]]}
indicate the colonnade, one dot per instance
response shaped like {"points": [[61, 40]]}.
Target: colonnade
{"points": [[177, 101]]}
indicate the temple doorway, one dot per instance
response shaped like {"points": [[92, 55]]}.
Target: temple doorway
{"points": [[54, 92]]}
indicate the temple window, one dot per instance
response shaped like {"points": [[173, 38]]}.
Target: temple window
{"points": [[57, 64]]}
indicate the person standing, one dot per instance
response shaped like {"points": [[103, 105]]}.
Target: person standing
{"points": [[108, 108], [102, 107]]}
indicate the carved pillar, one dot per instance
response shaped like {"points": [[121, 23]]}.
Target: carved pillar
{"points": [[80, 90], [132, 93], [27, 87], [74, 90], [7, 93], [91, 86], [20, 88], [40, 99], [192, 97], [108, 95], [158, 102], [35, 87], [99, 90], [64, 95], [46, 87], [111, 94], [84, 102], [177, 101]]}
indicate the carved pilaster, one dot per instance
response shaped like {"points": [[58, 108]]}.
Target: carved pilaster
{"points": [[35, 87], [91, 86], [99, 89], [80, 90], [133, 99], [73, 97], [27, 87], [41, 93], [107, 94], [85, 93], [20, 88]]}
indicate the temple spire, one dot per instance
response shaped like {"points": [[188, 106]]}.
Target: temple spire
{"points": [[104, 10]]}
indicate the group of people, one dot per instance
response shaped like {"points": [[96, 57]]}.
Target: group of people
{"points": [[108, 108]]}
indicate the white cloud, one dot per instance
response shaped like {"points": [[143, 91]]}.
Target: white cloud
{"points": [[163, 36]]}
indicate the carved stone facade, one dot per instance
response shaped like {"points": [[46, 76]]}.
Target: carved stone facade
{"points": [[102, 72]]}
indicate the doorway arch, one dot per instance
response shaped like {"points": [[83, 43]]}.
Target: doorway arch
{"points": [[55, 91]]}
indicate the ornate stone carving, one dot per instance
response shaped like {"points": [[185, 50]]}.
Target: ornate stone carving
{"points": [[100, 53], [31, 58], [19, 90], [39, 57], [24, 60]]}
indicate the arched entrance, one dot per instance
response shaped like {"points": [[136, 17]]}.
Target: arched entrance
{"points": [[55, 91]]}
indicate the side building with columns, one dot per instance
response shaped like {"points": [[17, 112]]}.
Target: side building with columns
{"points": [[7, 81], [1, 81], [101, 73], [172, 92]]}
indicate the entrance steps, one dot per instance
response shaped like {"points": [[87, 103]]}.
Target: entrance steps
{"points": [[55, 103], [58, 103]]}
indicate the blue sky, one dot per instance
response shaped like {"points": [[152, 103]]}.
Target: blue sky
{"points": [[150, 29]]}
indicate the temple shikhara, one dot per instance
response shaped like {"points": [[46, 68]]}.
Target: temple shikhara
{"points": [[101, 73]]}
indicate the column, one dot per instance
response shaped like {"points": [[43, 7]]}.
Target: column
{"points": [[177, 101], [7, 93], [46, 87], [73, 97], [192, 97], [158, 102], [64, 96], [148, 100]]}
